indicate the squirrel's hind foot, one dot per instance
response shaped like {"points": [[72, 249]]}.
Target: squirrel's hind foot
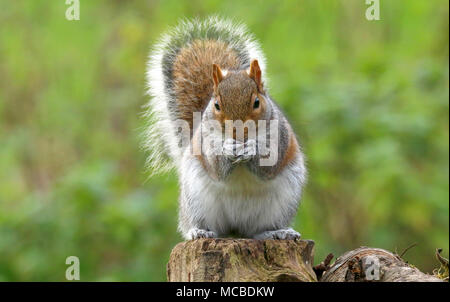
{"points": [[196, 233], [288, 234]]}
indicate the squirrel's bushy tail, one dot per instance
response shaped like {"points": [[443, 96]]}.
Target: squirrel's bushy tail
{"points": [[180, 82]]}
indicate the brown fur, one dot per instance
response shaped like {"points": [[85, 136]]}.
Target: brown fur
{"points": [[292, 150], [255, 73], [234, 94], [197, 150], [192, 74], [198, 76]]}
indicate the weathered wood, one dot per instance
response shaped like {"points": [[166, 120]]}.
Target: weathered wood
{"points": [[372, 264], [284, 260], [242, 260]]}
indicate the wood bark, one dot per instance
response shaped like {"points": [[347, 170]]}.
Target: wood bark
{"points": [[242, 260], [372, 264], [283, 260]]}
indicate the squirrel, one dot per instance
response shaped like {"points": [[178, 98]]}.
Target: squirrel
{"points": [[214, 68]]}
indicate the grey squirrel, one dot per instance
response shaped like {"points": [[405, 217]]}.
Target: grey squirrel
{"points": [[202, 75]]}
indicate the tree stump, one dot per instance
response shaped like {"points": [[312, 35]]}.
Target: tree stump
{"points": [[242, 260], [284, 260]]}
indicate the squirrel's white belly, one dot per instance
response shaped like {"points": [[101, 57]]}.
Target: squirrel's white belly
{"points": [[243, 203]]}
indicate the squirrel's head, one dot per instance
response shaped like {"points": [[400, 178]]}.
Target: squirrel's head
{"points": [[238, 94]]}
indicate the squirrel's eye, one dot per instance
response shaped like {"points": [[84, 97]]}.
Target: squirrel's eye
{"points": [[256, 103], [216, 104]]}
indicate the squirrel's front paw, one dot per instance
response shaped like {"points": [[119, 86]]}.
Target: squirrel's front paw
{"points": [[232, 148], [288, 234], [238, 151], [196, 233], [249, 149]]}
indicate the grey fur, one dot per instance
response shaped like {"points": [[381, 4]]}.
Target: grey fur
{"points": [[222, 193]]}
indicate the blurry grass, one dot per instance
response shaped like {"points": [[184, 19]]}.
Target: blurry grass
{"points": [[369, 101]]}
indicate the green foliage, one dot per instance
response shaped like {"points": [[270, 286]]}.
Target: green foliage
{"points": [[369, 101]]}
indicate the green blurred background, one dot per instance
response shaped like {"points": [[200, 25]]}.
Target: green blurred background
{"points": [[369, 101]]}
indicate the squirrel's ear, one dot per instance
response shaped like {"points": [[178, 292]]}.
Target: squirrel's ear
{"points": [[217, 75], [255, 73]]}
